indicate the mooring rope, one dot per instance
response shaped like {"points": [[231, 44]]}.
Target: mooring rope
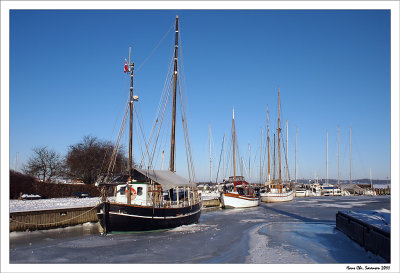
{"points": [[54, 223]]}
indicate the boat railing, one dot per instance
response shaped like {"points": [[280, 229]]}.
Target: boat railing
{"points": [[176, 204]]}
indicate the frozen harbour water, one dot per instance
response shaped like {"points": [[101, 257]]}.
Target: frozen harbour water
{"points": [[298, 232]]}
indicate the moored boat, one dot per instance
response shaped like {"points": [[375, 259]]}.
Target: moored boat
{"points": [[275, 190], [302, 193], [149, 199], [236, 192], [276, 193], [315, 189]]}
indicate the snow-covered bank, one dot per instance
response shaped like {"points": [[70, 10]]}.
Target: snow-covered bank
{"points": [[52, 203], [377, 218]]}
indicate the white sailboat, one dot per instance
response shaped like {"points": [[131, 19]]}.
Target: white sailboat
{"points": [[275, 190], [236, 192]]}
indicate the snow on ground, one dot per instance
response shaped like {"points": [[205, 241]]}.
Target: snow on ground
{"points": [[377, 218], [193, 228], [332, 203], [52, 203]]}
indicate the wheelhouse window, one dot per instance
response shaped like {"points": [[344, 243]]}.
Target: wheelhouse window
{"points": [[139, 191], [122, 190]]}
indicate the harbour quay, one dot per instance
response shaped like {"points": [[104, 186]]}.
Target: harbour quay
{"points": [[370, 229], [51, 218]]}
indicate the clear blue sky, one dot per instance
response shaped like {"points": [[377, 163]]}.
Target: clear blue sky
{"points": [[332, 67]]}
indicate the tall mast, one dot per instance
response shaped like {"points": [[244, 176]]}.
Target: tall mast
{"points": [[162, 159], [273, 177], [326, 157], [249, 163], [223, 161], [338, 163], [233, 141], [295, 160], [172, 155], [131, 99], [269, 168], [350, 156], [287, 149], [16, 162], [209, 139], [261, 151], [279, 132], [370, 175]]}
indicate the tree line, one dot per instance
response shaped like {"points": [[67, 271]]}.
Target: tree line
{"points": [[85, 161]]}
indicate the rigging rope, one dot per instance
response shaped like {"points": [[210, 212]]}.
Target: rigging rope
{"points": [[189, 157], [220, 156], [159, 128], [111, 165], [160, 112], [152, 52], [113, 157]]}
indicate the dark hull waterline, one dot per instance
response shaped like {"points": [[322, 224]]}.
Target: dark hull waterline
{"points": [[121, 217]]}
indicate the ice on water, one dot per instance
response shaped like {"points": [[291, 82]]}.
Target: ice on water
{"points": [[298, 232]]}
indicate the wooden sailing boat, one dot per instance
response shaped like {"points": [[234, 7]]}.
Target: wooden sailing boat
{"points": [[151, 199], [275, 190], [237, 193]]}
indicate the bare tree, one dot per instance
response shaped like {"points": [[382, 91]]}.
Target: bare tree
{"points": [[45, 164], [88, 159]]}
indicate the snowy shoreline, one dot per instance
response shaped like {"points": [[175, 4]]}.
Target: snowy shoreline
{"points": [[62, 203], [52, 203]]}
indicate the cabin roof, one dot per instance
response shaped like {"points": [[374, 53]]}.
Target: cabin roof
{"points": [[166, 179]]}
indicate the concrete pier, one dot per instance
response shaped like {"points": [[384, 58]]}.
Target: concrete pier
{"points": [[368, 228]]}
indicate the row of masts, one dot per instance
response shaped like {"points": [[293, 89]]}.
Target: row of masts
{"points": [[234, 147], [173, 126], [268, 180], [338, 161], [268, 144]]}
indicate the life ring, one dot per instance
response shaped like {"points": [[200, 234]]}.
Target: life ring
{"points": [[133, 192]]}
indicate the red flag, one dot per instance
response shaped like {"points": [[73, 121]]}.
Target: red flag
{"points": [[126, 66]]}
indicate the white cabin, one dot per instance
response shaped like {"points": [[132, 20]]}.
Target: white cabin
{"points": [[140, 194]]}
